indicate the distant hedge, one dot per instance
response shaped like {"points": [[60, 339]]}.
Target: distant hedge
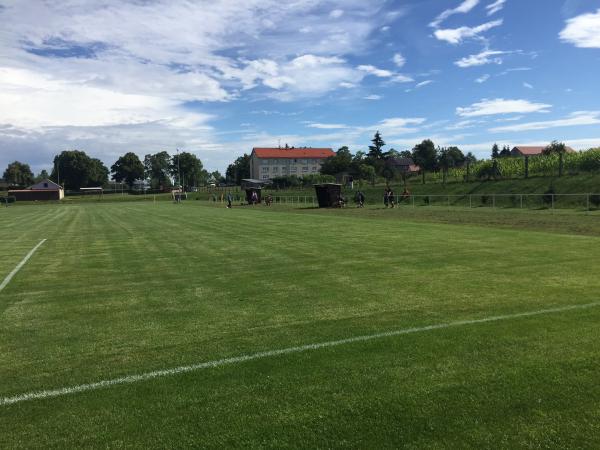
{"points": [[542, 165]]}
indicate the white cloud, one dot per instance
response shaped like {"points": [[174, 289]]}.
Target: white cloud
{"points": [[508, 119], [114, 75], [515, 69], [336, 13], [43, 101], [482, 78], [501, 106], [373, 97], [457, 35], [578, 118], [395, 126], [372, 70], [463, 8], [480, 59], [495, 7], [399, 78], [583, 31], [327, 126], [527, 85], [463, 124], [311, 75], [399, 60], [423, 83]]}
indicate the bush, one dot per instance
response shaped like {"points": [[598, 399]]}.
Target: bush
{"points": [[485, 199], [8, 199], [595, 200], [548, 196]]}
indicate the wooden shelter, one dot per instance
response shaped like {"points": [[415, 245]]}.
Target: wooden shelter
{"points": [[251, 186], [328, 194]]}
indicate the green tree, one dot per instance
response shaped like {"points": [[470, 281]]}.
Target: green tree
{"points": [[376, 150], [156, 169], [127, 168], [495, 151], [18, 174], [425, 156], [367, 172], [217, 176], [43, 175], [456, 155], [555, 147], [505, 152], [341, 162], [187, 169], [75, 169], [98, 175], [239, 170]]}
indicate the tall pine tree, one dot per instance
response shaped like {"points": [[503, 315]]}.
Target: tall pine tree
{"points": [[495, 151], [376, 150]]}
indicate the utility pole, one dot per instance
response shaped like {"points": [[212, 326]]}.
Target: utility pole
{"points": [[178, 170]]}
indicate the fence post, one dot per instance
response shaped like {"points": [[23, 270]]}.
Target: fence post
{"points": [[470, 201], [521, 195], [413, 200], [588, 201], [493, 200], [448, 201], [552, 200]]}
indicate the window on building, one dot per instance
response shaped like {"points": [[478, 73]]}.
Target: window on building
{"points": [[275, 169], [265, 177], [293, 169], [305, 169], [265, 169], [315, 169]]}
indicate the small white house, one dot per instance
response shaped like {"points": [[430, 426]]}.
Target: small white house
{"points": [[44, 190]]}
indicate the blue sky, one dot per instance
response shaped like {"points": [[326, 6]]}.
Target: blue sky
{"points": [[218, 77]]}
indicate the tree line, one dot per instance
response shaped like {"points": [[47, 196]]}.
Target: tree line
{"points": [[74, 169], [379, 163]]}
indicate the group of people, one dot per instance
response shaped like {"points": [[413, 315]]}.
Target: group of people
{"points": [[389, 200]]}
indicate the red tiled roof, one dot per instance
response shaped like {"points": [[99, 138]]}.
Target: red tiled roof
{"points": [[293, 152], [536, 149]]}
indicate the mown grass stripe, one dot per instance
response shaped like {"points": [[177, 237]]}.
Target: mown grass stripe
{"points": [[270, 353], [20, 265]]}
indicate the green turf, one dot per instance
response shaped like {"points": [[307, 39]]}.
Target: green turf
{"points": [[125, 288]]}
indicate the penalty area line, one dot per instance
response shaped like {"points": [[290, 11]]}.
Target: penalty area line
{"points": [[20, 265], [271, 353]]}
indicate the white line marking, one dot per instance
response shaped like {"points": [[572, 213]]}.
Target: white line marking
{"points": [[21, 264], [284, 351]]}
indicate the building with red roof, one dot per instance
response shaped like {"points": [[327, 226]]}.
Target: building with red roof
{"points": [[532, 150], [267, 162]]}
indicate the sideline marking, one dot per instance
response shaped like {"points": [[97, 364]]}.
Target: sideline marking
{"points": [[284, 351], [21, 264]]}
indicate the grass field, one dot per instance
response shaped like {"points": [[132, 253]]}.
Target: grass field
{"points": [[121, 289]]}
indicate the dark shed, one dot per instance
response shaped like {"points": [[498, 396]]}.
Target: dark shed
{"points": [[328, 194], [250, 186]]}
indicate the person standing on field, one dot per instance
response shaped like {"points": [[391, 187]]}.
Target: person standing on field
{"points": [[229, 199]]}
